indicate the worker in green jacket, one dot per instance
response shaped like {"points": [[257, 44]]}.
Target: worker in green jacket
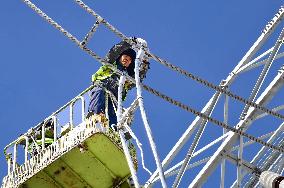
{"points": [[121, 56], [106, 80]]}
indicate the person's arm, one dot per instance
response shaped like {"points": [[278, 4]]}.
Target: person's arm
{"points": [[103, 73]]}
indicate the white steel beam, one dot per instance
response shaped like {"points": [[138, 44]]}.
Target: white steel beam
{"points": [[278, 108], [264, 71], [269, 28], [281, 166], [239, 162], [254, 64], [174, 170], [277, 164], [266, 96], [268, 163], [223, 163], [271, 139], [121, 134], [256, 60], [145, 120], [189, 155], [186, 135]]}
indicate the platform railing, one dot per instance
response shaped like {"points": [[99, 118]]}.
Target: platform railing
{"points": [[12, 159]]}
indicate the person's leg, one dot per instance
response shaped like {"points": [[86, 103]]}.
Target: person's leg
{"points": [[96, 109], [97, 101], [113, 119]]}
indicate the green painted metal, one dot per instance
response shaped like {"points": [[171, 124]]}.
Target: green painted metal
{"points": [[97, 163]]}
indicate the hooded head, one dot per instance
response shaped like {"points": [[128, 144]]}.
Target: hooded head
{"points": [[132, 54]]}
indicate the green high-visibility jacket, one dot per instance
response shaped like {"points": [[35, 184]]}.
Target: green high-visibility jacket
{"points": [[101, 74], [105, 72]]}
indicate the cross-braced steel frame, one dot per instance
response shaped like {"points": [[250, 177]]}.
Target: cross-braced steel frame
{"points": [[265, 159]]}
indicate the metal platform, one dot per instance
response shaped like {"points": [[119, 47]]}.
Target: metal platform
{"points": [[85, 157]]}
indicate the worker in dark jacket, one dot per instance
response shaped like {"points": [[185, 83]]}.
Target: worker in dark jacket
{"points": [[102, 107]]}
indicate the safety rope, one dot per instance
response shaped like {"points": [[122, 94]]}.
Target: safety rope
{"points": [[138, 143], [173, 67]]}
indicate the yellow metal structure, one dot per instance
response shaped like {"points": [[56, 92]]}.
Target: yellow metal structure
{"points": [[86, 157], [100, 163]]}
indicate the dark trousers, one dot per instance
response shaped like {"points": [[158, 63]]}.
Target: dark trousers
{"points": [[97, 104]]}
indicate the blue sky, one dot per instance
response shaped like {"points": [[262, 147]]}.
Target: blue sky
{"points": [[41, 70]]}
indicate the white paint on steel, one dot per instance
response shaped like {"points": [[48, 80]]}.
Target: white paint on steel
{"points": [[145, 120], [121, 134]]}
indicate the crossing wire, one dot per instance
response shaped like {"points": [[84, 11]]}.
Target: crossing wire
{"points": [[173, 67]]}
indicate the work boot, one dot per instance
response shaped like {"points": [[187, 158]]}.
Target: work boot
{"points": [[92, 119]]}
